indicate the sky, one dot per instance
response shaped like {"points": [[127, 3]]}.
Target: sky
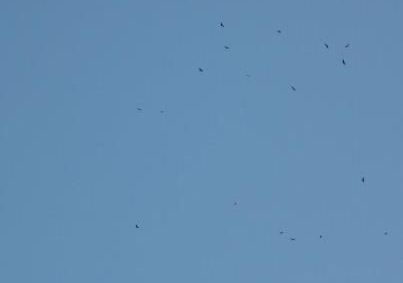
{"points": [[106, 123]]}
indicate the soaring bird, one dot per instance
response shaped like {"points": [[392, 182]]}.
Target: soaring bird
{"points": [[363, 179], [281, 232], [137, 226], [279, 31], [347, 45], [385, 233], [201, 70], [326, 45], [139, 109], [320, 236], [293, 88], [226, 47], [222, 24], [344, 62], [292, 239]]}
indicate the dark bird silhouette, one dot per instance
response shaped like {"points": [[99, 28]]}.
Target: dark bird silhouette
{"points": [[326, 45], [137, 226], [281, 232], [279, 31], [385, 233], [248, 75], [162, 111], [235, 203], [363, 180], [292, 239], [139, 109], [293, 88], [222, 24], [201, 70], [344, 62], [320, 236], [347, 45], [226, 47]]}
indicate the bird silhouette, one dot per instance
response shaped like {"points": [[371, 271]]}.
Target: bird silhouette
{"points": [[226, 47], [326, 45], [320, 236], [385, 233], [137, 226], [201, 70], [279, 31], [292, 239], [293, 88], [344, 62], [281, 232], [363, 180], [222, 24], [139, 109], [347, 45]]}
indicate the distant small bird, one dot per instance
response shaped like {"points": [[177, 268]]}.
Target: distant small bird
{"points": [[137, 226], [201, 70], [226, 47], [363, 180], [279, 31], [222, 24], [347, 45], [248, 75], [281, 232], [235, 203], [292, 239], [344, 62], [320, 236], [326, 45], [139, 109], [293, 88], [385, 233], [162, 111]]}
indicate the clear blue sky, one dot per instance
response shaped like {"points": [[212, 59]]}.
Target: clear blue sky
{"points": [[80, 165]]}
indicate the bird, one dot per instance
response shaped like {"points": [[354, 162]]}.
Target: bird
{"points": [[293, 88], [279, 31], [226, 47], [292, 239], [385, 233], [363, 179], [248, 75], [326, 45], [281, 232], [222, 24], [137, 226], [235, 203], [162, 111], [320, 236], [344, 62], [201, 70], [347, 45], [139, 109]]}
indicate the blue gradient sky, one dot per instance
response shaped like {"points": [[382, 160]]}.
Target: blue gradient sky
{"points": [[80, 166]]}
